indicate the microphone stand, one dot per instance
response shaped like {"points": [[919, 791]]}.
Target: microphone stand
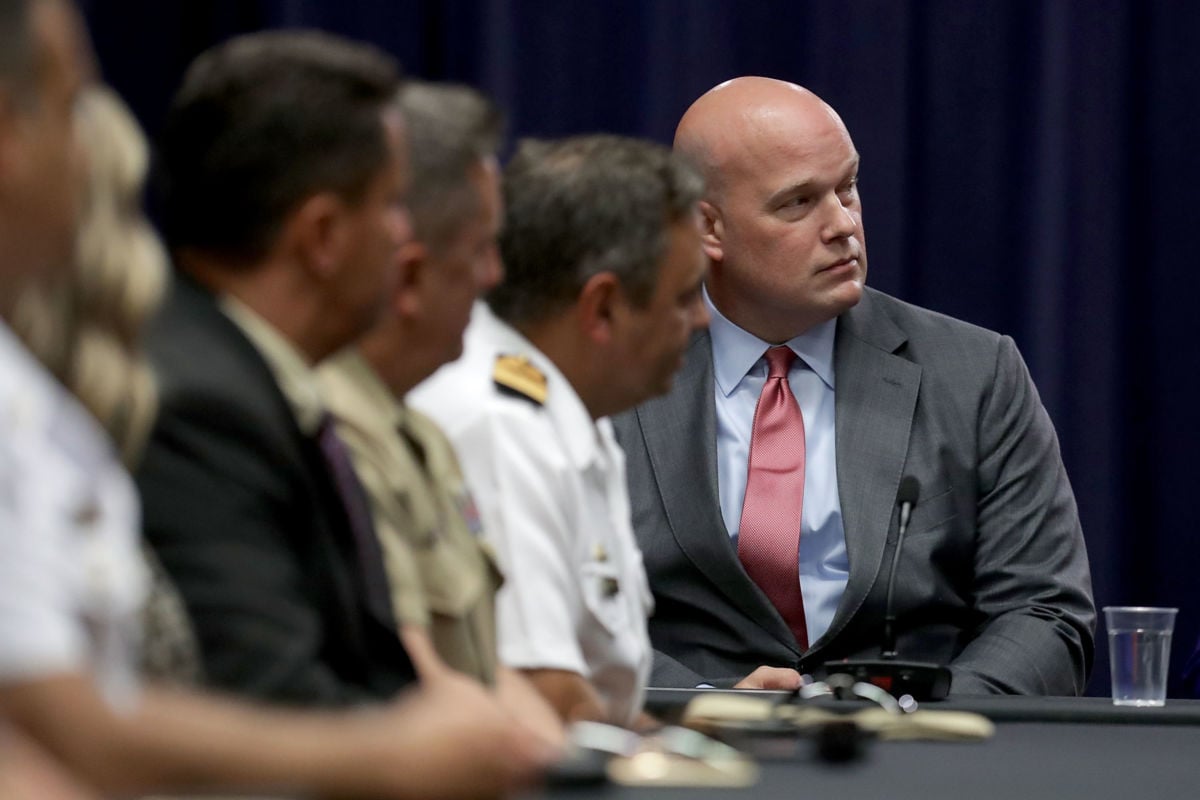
{"points": [[919, 679]]}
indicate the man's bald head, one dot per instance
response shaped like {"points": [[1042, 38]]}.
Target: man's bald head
{"points": [[741, 117], [782, 217]]}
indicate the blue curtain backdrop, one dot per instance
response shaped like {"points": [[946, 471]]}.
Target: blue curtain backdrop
{"points": [[1028, 165]]}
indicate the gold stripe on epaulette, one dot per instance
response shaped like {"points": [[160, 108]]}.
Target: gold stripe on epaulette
{"points": [[516, 374]]}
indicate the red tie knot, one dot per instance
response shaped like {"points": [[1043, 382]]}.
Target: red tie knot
{"points": [[779, 361]]}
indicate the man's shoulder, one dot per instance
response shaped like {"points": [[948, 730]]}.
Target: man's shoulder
{"points": [[22, 376], [923, 323], [921, 335], [427, 431], [211, 378], [41, 423], [487, 382], [198, 352], [958, 361], [356, 395]]}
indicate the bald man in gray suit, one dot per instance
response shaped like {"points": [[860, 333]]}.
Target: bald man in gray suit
{"points": [[993, 578]]}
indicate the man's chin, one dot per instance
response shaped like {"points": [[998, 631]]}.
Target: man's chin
{"points": [[848, 294]]}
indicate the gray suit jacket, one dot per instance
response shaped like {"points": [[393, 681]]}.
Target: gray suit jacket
{"points": [[993, 577]]}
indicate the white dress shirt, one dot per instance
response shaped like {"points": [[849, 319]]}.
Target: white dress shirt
{"points": [[550, 484], [72, 578], [739, 372]]}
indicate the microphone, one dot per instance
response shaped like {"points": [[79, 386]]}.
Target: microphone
{"points": [[921, 680]]}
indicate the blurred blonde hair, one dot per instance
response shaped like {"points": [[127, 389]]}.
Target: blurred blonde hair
{"points": [[85, 324]]}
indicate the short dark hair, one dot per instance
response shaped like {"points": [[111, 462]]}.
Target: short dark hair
{"points": [[451, 128], [263, 122], [585, 205]]}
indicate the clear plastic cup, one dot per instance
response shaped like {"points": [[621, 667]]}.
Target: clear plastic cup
{"points": [[1139, 649]]}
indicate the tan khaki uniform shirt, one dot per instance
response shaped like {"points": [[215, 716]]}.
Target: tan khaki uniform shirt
{"points": [[441, 574]]}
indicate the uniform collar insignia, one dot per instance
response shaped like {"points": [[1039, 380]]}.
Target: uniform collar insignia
{"points": [[515, 374]]}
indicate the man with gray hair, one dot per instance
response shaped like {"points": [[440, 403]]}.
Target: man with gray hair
{"points": [[442, 578], [602, 250]]}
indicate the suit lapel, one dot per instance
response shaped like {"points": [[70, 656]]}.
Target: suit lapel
{"points": [[254, 379], [693, 506], [875, 401]]}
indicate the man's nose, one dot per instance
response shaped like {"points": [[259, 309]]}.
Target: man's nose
{"points": [[841, 221]]}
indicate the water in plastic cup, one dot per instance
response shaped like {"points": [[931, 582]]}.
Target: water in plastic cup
{"points": [[1139, 649]]}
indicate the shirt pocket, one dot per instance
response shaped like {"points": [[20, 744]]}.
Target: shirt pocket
{"points": [[457, 574]]}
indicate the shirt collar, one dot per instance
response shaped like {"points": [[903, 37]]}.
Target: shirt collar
{"points": [[581, 435], [353, 389], [292, 372], [736, 351]]}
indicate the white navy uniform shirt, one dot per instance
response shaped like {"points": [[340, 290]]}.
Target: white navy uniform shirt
{"points": [[550, 484]]}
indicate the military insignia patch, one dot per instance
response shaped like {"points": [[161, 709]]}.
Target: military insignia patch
{"points": [[469, 511], [515, 375]]}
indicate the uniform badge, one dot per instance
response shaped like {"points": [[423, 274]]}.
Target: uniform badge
{"points": [[468, 511], [515, 375]]}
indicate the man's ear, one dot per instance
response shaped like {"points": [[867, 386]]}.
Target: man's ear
{"points": [[318, 236], [412, 273], [712, 230], [599, 306]]}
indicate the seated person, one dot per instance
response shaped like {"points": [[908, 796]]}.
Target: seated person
{"points": [[284, 172], [441, 574], [602, 254], [771, 535]]}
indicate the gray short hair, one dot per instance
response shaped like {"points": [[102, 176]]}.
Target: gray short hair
{"points": [[582, 206], [451, 129]]}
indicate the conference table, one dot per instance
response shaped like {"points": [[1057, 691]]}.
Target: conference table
{"points": [[1060, 747]]}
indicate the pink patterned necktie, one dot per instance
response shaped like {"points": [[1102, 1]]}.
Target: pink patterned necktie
{"points": [[769, 533]]}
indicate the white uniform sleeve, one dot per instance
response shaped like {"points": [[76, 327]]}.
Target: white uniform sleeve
{"points": [[518, 479]]}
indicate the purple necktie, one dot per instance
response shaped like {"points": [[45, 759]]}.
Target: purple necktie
{"points": [[769, 532], [358, 512]]}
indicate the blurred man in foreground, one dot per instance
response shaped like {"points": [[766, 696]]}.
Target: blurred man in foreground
{"points": [[71, 577]]}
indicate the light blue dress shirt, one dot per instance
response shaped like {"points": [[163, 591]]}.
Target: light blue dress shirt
{"points": [[740, 371]]}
